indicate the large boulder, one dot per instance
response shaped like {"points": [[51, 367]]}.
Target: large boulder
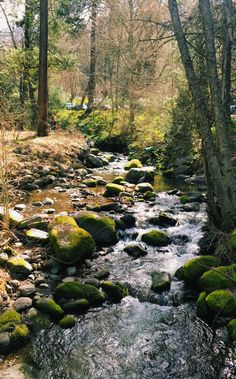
{"points": [[93, 162], [155, 238], [75, 290], [144, 174], [134, 163], [223, 277], [144, 187], [114, 290], [191, 271], [70, 243], [102, 228], [13, 332], [113, 189], [222, 303]]}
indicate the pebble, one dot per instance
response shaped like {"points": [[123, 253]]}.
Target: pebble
{"points": [[22, 303], [37, 203], [27, 289], [43, 285], [48, 201], [20, 207]]}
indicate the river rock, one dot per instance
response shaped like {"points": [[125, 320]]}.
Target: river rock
{"points": [[67, 322], [4, 342], [19, 268], [102, 228], [134, 163], [192, 270], [118, 180], [36, 221], [48, 201], [231, 326], [27, 289], [22, 303], [93, 162], [144, 187], [160, 281], [107, 207], [134, 175], [76, 290], [163, 220], [14, 216], [218, 278], [50, 307], [113, 189], [105, 162], [135, 251], [114, 290], [196, 179], [37, 235], [70, 243], [222, 303], [93, 282], [3, 258], [80, 306], [90, 183], [155, 238], [20, 207], [128, 220]]}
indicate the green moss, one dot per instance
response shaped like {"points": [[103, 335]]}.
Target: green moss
{"points": [[118, 180], [149, 195], [93, 207], [50, 307], [10, 316], [233, 240], [156, 238], [222, 303], [202, 309], [102, 228], [134, 163], [113, 189], [67, 322], [184, 199], [20, 334], [219, 278], [69, 242], [80, 306], [115, 291], [195, 267], [90, 183], [231, 326], [76, 290], [144, 187]]}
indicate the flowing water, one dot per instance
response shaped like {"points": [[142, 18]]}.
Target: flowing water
{"points": [[147, 335]]}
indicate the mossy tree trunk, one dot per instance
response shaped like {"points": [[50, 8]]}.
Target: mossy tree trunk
{"points": [[218, 169]]}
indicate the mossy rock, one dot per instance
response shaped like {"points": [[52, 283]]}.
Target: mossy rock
{"points": [[191, 271], [184, 199], [202, 309], [155, 238], [135, 174], [10, 317], [69, 242], [76, 290], [222, 303], [149, 195], [118, 180], [20, 334], [144, 187], [67, 322], [233, 240], [50, 307], [223, 277], [79, 306], [114, 290], [134, 163], [19, 268], [90, 183], [9, 251], [113, 189], [102, 228], [94, 207], [160, 281], [231, 326]]}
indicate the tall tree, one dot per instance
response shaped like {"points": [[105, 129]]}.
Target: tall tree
{"points": [[93, 54], [213, 120], [42, 115]]}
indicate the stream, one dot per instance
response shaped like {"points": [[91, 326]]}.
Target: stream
{"points": [[147, 335]]}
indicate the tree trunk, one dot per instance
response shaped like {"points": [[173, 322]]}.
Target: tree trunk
{"points": [[93, 56], [42, 115], [222, 204]]}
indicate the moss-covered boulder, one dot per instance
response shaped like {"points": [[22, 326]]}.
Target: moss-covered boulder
{"points": [[75, 290], [144, 187], [155, 238], [118, 180], [191, 271], [20, 334], [113, 189], [222, 303], [13, 332], [149, 195], [79, 306], [223, 277], [115, 291], [233, 240], [10, 317], [135, 174], [90, 183], [67, 322], [160, 281], [134, 163], [70, 243], [19, 268], [50, 307], [102, 228], [231, 326], [202, 309]]}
